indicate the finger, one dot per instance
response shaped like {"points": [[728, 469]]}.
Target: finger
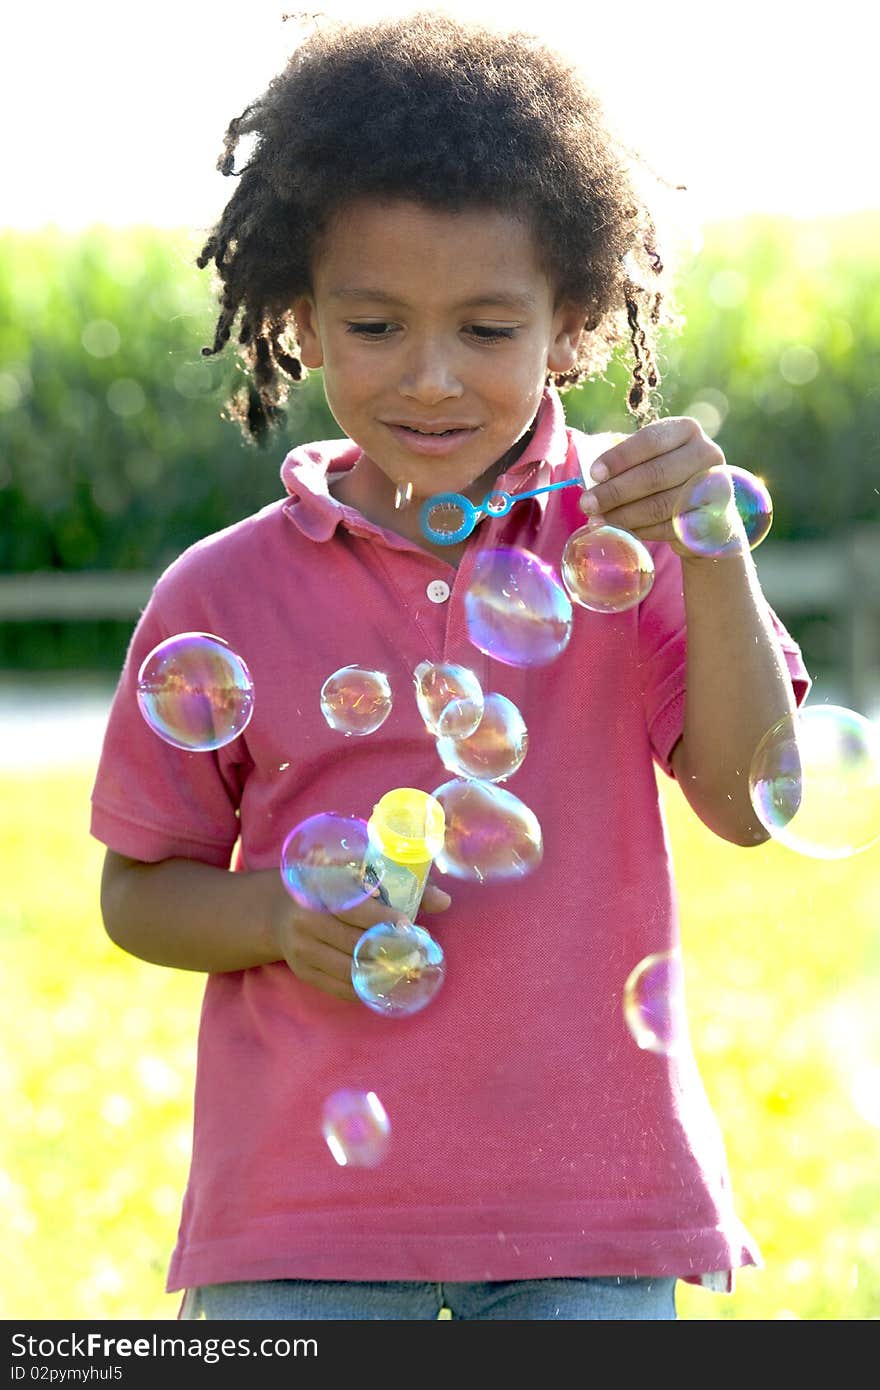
{"points": [[340, 989], [661, 472], [646, 513], [732, 548], [435, 899], [335, 930], [660, 437], [317, 955], [365, 915]]}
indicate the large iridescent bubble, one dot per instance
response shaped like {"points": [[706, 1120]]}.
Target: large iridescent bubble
{"points": [[397, 968], [322, 862], [449, 698], [195, 692], [490, 834], [814, 782], [355, 1128], [515, 608], [605, 569], [356, 700], [718, 507], [495, 749]]}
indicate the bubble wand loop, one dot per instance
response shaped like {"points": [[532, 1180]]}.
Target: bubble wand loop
{"points": [[493, 504]]}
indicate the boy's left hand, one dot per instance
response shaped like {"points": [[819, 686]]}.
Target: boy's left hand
{"points": [[645, 474]]}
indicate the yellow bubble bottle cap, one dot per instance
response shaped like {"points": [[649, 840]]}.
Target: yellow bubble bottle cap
{"points": [[408, 825]]}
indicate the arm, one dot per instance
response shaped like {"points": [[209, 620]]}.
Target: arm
{"points": [[192, 916], [737, 682], [737, 687]]}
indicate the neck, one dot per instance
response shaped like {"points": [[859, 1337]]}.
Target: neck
{"points": [[366, 488]]}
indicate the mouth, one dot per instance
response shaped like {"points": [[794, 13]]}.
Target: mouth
{"points": [[431, 443]]}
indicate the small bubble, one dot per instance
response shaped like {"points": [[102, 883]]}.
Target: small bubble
{"points": [[449, 698], [495, 749], [397, 968], [356, 700], [606, 569], [653, 1002], [814, 782], [195, 692], [490, 834], [322, 862], [719, 507], [516, 610], [355, 1128]]}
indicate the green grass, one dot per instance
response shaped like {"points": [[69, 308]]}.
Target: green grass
{"points": [[97, 1055]]}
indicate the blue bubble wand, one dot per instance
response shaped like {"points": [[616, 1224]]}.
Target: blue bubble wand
{"points": [[460, 516]]}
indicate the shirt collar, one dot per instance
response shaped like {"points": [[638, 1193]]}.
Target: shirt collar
{"points": [[307, 469]]}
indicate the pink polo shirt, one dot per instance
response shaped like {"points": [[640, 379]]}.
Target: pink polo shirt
{"points": [[530, 1135]]}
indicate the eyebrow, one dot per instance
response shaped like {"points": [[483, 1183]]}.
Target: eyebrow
{"points": [[506, 300]]}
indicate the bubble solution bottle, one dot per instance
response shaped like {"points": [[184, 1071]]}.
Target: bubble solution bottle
{"points": [[406, 831]]}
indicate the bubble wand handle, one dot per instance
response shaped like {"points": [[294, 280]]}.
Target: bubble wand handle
{"points": [[551, 487], [406, 832]]}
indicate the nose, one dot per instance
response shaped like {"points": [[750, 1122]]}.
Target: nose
{"points": [[430, 376]]}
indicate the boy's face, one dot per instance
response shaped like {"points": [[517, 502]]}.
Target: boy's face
{"points": [[400, 321]]}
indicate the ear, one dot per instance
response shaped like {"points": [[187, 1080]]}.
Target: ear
{"points": [[307, 332], [569, 323]]}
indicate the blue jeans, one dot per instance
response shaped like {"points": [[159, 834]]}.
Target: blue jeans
{"points": [[624, 1298]]}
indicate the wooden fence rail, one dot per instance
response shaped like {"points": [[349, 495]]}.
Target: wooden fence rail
{"points": [[840, 577]]}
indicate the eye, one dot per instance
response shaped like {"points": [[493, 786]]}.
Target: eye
{"points": [[368, 330], [491, 335], [481, 332]]}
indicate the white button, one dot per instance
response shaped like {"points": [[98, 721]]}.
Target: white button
{"points": [[438, 591]]}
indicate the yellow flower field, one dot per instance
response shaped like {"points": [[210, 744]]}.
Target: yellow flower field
{"points": [[782, 965]]}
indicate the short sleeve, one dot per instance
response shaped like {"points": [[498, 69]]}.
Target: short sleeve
{"points": [[662, 636], [151, 800]]}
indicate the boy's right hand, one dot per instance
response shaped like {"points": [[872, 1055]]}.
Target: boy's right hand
{"points": [[319, 946]]}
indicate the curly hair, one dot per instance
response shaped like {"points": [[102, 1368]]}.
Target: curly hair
{"points": [[454, 115]]}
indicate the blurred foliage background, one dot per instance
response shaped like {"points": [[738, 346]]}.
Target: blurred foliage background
{"points": [[114, 455]]}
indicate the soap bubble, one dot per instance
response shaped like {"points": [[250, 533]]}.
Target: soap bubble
{"points": [[495, 749], [605, 569], [195, 692], [397, 968], [653, 1002], [716, 507], [322, 862], [490, 834], [814, 782], [355, 700], [356, 1128], [449, 697], [515, 608]]}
